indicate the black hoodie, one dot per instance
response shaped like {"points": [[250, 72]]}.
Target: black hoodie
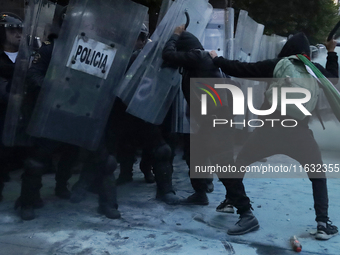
{"points": [[187, 52], [297, 44]]}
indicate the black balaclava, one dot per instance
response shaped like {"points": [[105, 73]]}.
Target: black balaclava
{"points": [[188, 41], [297, 44]]}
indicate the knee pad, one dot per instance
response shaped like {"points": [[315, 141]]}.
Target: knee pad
{"points": [[163, 153]]}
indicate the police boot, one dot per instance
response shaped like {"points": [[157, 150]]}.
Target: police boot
{"points": [[198, 198], [246, 223], [30, 187], [163, 176], [108, 198]]}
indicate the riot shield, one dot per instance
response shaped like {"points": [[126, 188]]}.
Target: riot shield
{"points": [[229, 33], [246, 49], [149, 87], [89, 59], [270, 46], [247, 38], [164, 8], [214, 33], [180, 115], [38, 19], [219, 33]]}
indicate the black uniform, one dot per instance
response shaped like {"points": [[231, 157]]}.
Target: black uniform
{"points": [[127, 132], [9, 156], [186, 51], [6, 73], [99, 161], [124, 144], [40, 155]]}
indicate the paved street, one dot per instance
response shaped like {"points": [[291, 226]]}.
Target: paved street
{"points": [[284, 207]]}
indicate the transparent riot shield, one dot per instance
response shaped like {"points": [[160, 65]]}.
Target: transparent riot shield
{"points": [[164, 8], [38, 20], [214, 33], [180, 115], [89, 59], [247, 38], [229, 33], [149, 87], [246, 49], [270, 46]]}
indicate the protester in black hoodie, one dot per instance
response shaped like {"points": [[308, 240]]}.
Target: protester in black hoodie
{"points": [[184, 50], [296, 142]]}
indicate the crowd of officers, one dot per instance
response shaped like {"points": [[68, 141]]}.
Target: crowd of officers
{"points": [[125, 133]]}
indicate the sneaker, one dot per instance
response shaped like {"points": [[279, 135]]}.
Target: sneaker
{"points": [[225, 207], [325, 233], [247, 223], [198, 198]]}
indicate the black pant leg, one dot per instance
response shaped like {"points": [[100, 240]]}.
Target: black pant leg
{"points": [[306, 151]]}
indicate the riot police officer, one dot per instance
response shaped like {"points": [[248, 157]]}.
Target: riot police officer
{"points": [[36, 162], [10, 37]]}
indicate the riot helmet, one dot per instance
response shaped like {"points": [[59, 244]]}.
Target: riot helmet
{"points": [[8, 19], [9, 22]]}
